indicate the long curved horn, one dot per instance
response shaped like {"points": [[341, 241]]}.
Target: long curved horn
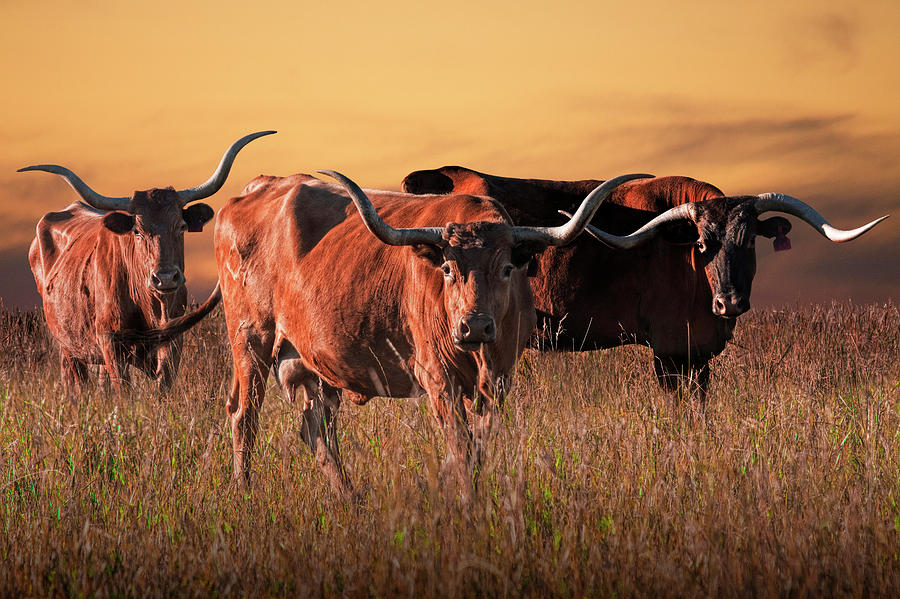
{"points": [[374, 223], [215, 183], [566, 233], [645, 233], [88, 195], [777, 202]]}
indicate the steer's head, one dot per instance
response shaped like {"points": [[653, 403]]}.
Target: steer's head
{"points": [[723, 232], [479, 260], [156, 219]]}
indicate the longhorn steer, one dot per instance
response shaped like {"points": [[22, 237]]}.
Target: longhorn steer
{"points": [[333, 298], [679, 290], [108, 266]]}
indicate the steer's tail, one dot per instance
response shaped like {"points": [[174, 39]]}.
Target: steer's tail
{"points": [[174, 327]]}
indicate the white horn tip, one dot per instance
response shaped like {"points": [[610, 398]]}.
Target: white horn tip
{"points": [[878, 220], [842, 236]]}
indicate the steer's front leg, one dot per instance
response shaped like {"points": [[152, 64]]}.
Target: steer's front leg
{"points": [[680, 374], [251, 368], [448, 407], [480, 407], [167, 359], [114, 372]]}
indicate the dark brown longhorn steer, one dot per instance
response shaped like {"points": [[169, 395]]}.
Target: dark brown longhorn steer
{"points": [[679, 290], [106, 267], [332, 298]]}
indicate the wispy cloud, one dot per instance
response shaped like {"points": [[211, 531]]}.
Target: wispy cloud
{"points": [[815, 153], [829, 41]]}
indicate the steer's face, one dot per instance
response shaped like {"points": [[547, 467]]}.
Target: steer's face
{"points": [[478, 263], [157, 222], [724, 237]]}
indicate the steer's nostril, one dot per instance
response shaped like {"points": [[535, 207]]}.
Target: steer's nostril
{"points": [[719, 305], [166, 280], [477, 328], [730, 306]]}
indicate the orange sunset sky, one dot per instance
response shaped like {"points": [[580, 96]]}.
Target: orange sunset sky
{"points": [[797, 97]]}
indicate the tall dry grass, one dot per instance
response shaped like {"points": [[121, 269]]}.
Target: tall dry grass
{"points": [[595, 483]]}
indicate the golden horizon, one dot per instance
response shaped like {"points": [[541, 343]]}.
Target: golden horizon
{"points": [[802, 98]]}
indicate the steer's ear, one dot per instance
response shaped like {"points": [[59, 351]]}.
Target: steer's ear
{"points": [[681, 232], [429, 252], [119, 222], [197, 215], [773, 227], [525, 254], [430, 181]]}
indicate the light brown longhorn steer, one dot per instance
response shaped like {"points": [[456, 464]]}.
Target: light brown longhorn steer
{"points": [[107, 267], [333, 298]]}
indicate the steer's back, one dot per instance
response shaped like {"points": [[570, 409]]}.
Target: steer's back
{"points": [[63, 240], [281, 226]]}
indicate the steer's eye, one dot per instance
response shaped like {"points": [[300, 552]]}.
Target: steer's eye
{"points": [[507, 271], [701, 246], [448, 272]]}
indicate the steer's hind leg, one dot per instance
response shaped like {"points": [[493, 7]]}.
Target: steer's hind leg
{"points": [[251, 352], [321, 403]]}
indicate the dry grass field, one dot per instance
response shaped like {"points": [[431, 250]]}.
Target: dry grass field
{"points": [[595, 483]]}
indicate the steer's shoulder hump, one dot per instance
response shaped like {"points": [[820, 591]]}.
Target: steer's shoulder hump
{"points": [[662, 193], [60, 231]]}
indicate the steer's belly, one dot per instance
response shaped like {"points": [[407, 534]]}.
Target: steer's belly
{"points": [[366, 368], [374, 375]]}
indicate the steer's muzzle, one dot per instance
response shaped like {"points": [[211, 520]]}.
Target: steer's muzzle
{"points": [[167, 281], [474, 330], [730, 305]]}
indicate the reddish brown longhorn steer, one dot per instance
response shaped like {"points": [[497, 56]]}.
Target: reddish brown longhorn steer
{"points": [[679, 290], [109, 266], [332, 298]]}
